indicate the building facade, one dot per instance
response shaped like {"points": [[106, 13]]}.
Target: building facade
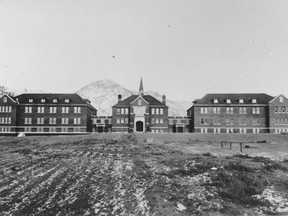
{"points": [[179, 124], [102, 124], [231, 113], [140, 113], [278, 115], [47, 114]]}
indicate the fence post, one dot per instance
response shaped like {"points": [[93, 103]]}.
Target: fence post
{"points": [[241, 147], [221, 144]]}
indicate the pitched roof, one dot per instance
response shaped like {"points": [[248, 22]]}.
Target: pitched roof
{"points": [[74, 98], [150, 99], [261, 98]]}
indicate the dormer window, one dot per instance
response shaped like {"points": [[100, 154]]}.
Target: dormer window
{"points": [[281, 99], [5, 100], [43, 100], [55, 100], [30, 100], [228, 101], [215, 101], [254, 101], [66, 100], [241, 101], [139, 102]]}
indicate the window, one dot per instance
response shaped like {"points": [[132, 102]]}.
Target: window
{"points": [[254, 101], [64, 121], [28, 109], [139, 102], [30, 100], [229, 110], [28, 121], [152, 111], [126, 111], [65, 109], [118, 111], [66, 100], [40, 109], [157, 120], [126, 120], [40, 129], [241, 101], [40, 120], [203, 121], [216, 121], [161, 111], [5, 100], [242, 110], [77, 120], [216, 110], [122, 120], [52, 109], [156, 111], [203, 110], [228, 101], [52, 120], [276, 109], [77, 109], [153, 120], [118, 120], [256, 122], [215, 101], [65, 129], [54, 100], [161, 120], [43, 100], [281, 99], [283, 109]]}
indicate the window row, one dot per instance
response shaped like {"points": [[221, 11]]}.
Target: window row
{"points": [[157, 120], [281, 121], [28, 109], [176, 121], [157, 111], [5, 109], [53, 120], [230, 130], [204, 121], [241, 101], [281, 109], [5, 129], [122, 120], [55, 100], [122, 111], [5, 120], [52, 129], [230, 110]]}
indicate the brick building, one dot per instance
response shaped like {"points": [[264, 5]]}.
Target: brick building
{"points": [[140, 113], [47, 114], [179, 124], [278, 115], [231, 113], [102, 124]]}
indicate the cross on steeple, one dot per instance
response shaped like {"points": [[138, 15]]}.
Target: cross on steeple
{"points": [[141, 90]]}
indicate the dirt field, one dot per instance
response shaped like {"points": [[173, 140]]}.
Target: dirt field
{"points": [[146, 174]]}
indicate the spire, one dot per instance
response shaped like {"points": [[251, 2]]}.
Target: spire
{"points": [[141, 90]]}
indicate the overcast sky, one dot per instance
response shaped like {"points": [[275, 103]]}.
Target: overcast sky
{"points": [[181, 48]]}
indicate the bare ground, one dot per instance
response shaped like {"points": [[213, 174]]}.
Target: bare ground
{"points": [[124, 175]]}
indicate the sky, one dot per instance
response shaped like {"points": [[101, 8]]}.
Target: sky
{"points": [[181, 48]]}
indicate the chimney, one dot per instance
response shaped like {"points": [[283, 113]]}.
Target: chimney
{"points": [[164, 99], [119, 97]]}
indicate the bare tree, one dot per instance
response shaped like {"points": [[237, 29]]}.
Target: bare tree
{"points": [[3, 90]]}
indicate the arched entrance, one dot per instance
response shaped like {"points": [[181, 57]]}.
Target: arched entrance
{"points": [[139, 126]]}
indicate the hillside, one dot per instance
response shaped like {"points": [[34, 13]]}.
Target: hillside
{"points": [[103, 94]]}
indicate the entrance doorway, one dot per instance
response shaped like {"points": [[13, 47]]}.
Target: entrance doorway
{"points": [[139, 126]]}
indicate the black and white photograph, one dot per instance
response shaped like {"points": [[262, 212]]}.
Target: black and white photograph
{"points": [[143, 107]]}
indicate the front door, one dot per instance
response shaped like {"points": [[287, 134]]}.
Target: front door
{"points": [[139, 126]]}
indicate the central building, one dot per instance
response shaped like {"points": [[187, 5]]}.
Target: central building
{"points": [[140, 113]]}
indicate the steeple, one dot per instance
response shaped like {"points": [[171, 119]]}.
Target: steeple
{"points": [[141, 90]]}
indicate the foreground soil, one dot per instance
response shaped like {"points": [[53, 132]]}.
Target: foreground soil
{"points": [[125, 175]]}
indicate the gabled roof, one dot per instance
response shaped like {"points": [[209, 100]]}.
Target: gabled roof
{"points": [[261, 98], [150, 99], [74, 98], [9, 96]]}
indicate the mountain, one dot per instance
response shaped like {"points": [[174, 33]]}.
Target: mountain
{"points": [[103, 94]]}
